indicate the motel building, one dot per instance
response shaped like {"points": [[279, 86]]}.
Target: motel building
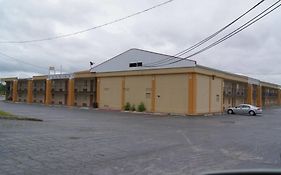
{"points": [[137, 76]]}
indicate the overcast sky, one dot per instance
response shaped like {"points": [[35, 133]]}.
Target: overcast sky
{"points": [[168, 29]]}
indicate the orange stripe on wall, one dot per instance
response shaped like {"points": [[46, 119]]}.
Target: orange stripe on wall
{"points": [[210, 93], [98, 92], [29, 91], [122, 93], [70, 94], [48, 97], [15, 90], [153, 93], [259, 96], [250, 94], [192, 90]]}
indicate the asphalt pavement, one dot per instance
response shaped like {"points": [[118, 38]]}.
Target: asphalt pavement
{"points": [[86, 141]]}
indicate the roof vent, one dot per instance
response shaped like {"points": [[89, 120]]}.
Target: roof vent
{"points": [[135, 64]]}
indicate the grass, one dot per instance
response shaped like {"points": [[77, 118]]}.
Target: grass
{"points": [[9, 116]]}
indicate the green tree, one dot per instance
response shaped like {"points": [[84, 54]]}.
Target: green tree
{"points": [[2, 89]]}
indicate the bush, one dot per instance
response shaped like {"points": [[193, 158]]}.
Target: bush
{"points": [[127, 107], [141, 107], [133, 108]]}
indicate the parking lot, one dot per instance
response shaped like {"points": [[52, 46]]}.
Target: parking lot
{"points": [[82, 141]]}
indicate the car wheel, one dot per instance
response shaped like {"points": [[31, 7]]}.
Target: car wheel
{"points": [[230, 111], [252, 113]]}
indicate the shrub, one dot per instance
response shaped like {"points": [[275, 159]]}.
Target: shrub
{"points": [[127, 107], [133, 108], [141, 107]]}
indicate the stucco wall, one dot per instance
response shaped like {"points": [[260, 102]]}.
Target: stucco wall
{"points": [[216, 94], [202, 94], [110, 92], [172, 93], [137, 90]]}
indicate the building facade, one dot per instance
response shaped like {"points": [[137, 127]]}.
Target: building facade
{"points": [[185, 88]]}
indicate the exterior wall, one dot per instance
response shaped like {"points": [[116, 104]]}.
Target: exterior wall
{"points": [[110, 92], [59, 99], [48, 96], [39, 91], [236, 93], [172, 93], [227, 102], [202, 103], [85, 92], [82, 100], [239, 101], [38, 97], [22, 90], [209, 94], [59, 91], [216, 94], [269, 96], [255, 95], [191, 91], [137, 90]]}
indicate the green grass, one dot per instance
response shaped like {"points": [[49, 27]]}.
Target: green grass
{"points": [[9, 116], [3, 113]]}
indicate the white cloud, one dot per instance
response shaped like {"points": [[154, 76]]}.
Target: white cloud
{"points": [[168, 29]]}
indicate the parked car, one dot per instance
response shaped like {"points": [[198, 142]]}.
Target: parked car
{"points": [[245, 109]]}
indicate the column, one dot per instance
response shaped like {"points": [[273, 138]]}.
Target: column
{"points": [[48, 97], [98, 91], [29, 91], [153, 93], [259, 96], [15, 91], [70, 93], [250, 94], [122, 93], [192, 89]]}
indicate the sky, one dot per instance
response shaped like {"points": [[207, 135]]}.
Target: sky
{"points": [[168, 29]]}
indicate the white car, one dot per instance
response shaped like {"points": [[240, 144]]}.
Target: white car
{"points": [[244, 109]]}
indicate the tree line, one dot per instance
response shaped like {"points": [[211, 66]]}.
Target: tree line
{"points": [[2, 89]]}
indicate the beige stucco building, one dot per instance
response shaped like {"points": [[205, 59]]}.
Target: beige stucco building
{"points": [[184, 88]]}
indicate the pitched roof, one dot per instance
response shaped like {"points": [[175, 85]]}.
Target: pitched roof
{"points": [[121, 62]]}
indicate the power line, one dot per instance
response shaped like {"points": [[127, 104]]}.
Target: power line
{"points": [[89, 29], [204, 40], [241, 28], [24, 62]]}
